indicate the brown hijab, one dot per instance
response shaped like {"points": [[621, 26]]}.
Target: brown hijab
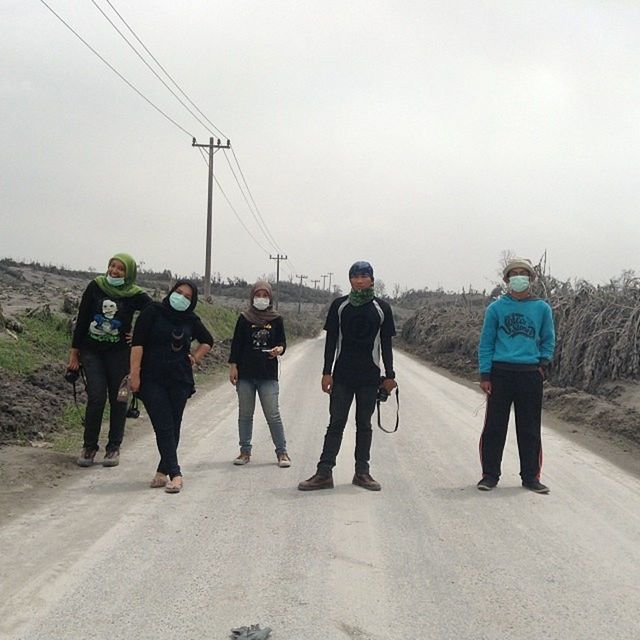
{"points": [[255, 316]]}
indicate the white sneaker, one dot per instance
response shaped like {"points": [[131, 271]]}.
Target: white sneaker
{"points": [[284, 460]]}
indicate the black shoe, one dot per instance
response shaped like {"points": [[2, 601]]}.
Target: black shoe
{"points": [[487, 483], [316, 481], [111, 458], [365, 481], [86, 457], [536, 486]]}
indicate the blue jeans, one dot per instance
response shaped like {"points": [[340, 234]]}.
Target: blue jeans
{"points": [[268, 393]]}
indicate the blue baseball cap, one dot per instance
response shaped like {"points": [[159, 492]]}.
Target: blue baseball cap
{"points": [[361, 268]]}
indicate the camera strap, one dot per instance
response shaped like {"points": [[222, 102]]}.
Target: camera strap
{"points": [[75, 389], [397, 390]]}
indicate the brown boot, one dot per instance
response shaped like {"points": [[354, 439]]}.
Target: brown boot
{"points": [[243, 458], [365, 481], [316, 481]]}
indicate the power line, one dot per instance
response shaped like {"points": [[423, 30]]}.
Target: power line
{"points": [[260, 224], [165, 71], [75, 33], [249, 190], [257, 215], [155, 73], [233, 208]]}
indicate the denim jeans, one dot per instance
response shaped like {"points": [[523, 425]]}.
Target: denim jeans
{"points": [[339, 404], [165, 406], [104, 372], [268, 393]]}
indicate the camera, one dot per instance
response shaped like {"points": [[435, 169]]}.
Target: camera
{"points": [[133, 411], [71, 375], [383, 394]]}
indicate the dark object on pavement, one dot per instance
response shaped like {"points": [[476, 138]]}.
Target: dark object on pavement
{"points": [[254, 632]]}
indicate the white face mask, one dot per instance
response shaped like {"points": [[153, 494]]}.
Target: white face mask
{"points": [[261, 303], [519, 283]]}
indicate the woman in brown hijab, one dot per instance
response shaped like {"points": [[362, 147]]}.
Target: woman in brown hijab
{"points": [[258, 341]]}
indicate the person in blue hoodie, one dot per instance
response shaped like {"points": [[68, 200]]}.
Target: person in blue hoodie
{"points": [[516, 345]]}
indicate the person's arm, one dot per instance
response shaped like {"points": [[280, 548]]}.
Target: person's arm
{"points": [[547, 339], [205, 342], [486, 348], [81, 329], [135, 361], [331, 326], [387, 331], [139, 339], [235, 351]]}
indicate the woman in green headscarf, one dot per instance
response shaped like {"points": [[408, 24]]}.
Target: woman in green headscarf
{"points": [[101, 345]]}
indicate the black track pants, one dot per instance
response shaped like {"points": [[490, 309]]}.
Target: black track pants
{"points": [[523, 390]]}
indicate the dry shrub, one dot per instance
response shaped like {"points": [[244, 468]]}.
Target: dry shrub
{"points": [[597, 332]]}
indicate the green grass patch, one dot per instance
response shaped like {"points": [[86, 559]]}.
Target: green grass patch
{"points": [[220, 320], [70, 438], [43, 340]]}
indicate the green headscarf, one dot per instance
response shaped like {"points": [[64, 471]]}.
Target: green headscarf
{"points": [[129, 288], [358, 298]]}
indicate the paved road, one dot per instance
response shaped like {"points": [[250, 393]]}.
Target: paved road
{"points": [[429, 557]]}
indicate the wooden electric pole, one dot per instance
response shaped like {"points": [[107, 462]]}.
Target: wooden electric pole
{"points": [[277, 258], [207, 256], [300, 291]]}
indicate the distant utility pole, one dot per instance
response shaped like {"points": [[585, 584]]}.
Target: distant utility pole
{"points": [[277, 258], [324, 277], [207, 256], [330, 274], [315, 283], [300, 291]]}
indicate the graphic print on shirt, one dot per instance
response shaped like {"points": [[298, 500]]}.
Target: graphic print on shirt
{"points": [[105, 327], [177, 340], [517, 324], [260, 336]]}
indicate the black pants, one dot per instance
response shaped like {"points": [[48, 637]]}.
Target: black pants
{"points": [[165, 405], [339, 404], [523, 389], [104, 372]]}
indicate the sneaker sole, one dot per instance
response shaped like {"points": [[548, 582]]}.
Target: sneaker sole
{"points": [[540, 491], [110, 463], [240, 463], [368, 488], [284, 465], [484, 488], [82, 463], [326, 486]]}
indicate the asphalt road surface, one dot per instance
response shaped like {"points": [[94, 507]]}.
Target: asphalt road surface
{"points": [[428, 557]]}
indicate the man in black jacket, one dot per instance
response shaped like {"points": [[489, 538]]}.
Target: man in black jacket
{"points": [[359, 329]]}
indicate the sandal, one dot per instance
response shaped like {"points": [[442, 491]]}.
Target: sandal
{"points": [[174, 485], [158, 482]]}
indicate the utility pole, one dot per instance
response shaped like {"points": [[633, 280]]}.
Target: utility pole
{"points": [[324, 277], [207, 255], [277, 258], [300, 291], [315, 283], [330, 274]]}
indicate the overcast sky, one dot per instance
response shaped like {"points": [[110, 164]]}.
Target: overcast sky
{"points": [[424, 136]]}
